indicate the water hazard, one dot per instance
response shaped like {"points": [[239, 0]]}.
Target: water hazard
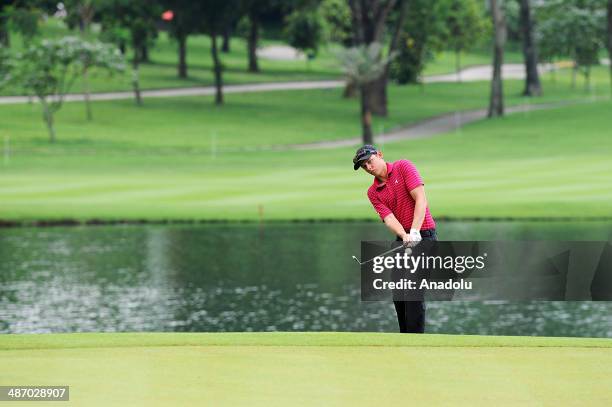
{"points": [[249, 277]]}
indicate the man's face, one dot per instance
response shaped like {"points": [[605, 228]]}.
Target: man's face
{"points": [[374, 165]]}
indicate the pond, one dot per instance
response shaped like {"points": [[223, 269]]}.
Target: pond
{"points": [[250, 277]]}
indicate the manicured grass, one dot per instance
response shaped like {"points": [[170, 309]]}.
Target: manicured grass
{"points": [[311, 368], [186, 159], [547, 163]]}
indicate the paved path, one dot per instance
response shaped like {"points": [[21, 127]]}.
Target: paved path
{"points": [[476, 73], [194, 91], [426, 128], [280, 53], [485, 72]]}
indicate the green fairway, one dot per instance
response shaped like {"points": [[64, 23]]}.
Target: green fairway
{"points": [[311, 369], [186, 159]]}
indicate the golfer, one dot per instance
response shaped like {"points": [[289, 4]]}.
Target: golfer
{"points": [[398, 195]]}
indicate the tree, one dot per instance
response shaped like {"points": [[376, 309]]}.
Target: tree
{"points": [[532, 78], [609, 42], [49, 69], [185, 21], [337, 16], [21, 17], [6, 63], [423, 33], [80, 13], [369, 19], [216, 15], [465, 26], [304, 30], [550, 36], [574, 29], [5, 38], [97, 55], [496, 103], [339, 29], [227, 36], [363, 65], [139, 20], [590, 28], [253, 11]]}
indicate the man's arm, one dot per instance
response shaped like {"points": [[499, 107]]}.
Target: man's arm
{"points": [[420, 204], [395, 226]]}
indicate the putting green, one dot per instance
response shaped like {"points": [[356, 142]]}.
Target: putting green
{"points": [[277, 369]]}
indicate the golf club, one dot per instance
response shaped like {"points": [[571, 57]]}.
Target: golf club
{"points": [[408, 251]]}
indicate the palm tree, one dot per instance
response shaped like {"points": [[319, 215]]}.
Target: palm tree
{"points": [[363, 65]]}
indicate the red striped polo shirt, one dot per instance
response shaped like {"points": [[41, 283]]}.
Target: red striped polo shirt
{"points": [[394, 196]]}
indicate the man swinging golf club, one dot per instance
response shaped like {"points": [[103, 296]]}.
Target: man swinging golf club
{"points": [[398, 195]]}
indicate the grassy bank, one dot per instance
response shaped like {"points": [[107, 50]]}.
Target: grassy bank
{"points": [[186, 159], [311, 368]]}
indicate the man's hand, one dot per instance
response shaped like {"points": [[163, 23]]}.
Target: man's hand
{"points": [[412, 238]]}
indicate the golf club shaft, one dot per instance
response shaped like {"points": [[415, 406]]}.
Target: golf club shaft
{"points": [[382, 254]]}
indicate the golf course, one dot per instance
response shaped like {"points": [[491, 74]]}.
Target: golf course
{"points": [[186, 252]]}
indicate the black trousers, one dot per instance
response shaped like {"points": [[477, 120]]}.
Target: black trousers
{"points": [[411, 314]]}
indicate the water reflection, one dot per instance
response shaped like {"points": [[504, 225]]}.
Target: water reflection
{"points": [[243, 277]]}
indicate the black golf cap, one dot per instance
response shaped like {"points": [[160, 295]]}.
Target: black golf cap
{"points": [[362, 154]]}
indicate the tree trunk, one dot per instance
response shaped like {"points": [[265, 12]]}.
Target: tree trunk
{"points": [[350, 90], [458, 64], [86, 14], [87, 92], [366, 115], [532, 79], [48, 117], [587, 78], [144, 53], [553, 72], [574, 73], [377, 96], [496, 103], [136, 80], [5, 38], [610, 39], [369, 23], [182, 64], [217, 70], [252, 40], [122, 47], [227, 35]]}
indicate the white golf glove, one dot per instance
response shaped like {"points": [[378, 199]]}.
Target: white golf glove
{"points": [[415, 235], [412, 238]]}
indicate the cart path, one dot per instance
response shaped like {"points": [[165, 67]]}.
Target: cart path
{"points": [[469, 74], [434, 126]]}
